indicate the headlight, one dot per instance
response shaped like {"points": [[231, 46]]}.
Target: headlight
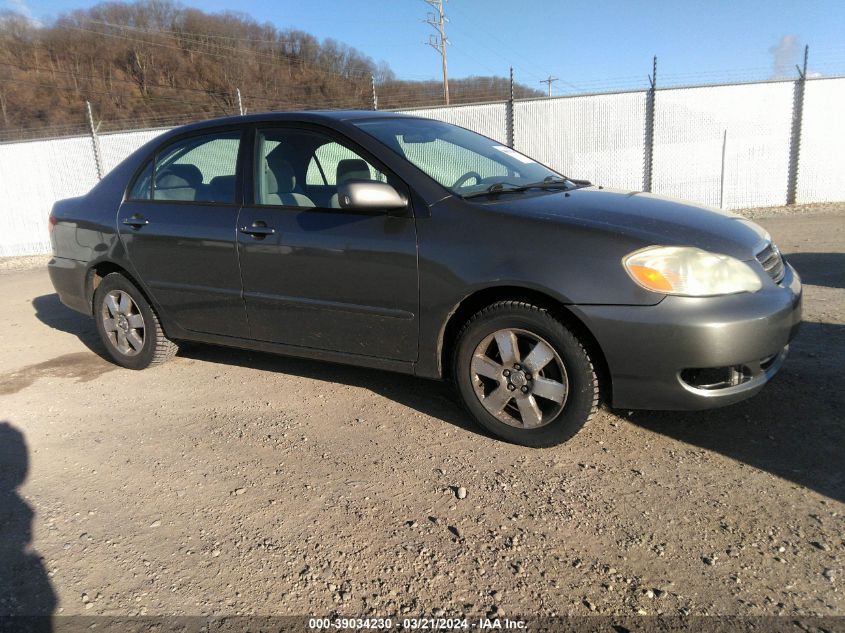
{"points": [[691, 272]]}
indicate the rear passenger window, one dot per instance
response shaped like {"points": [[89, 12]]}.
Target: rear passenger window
{"points": [[197, 169]]}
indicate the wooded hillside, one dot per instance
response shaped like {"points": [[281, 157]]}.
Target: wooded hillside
{"points": [[156, 62]]}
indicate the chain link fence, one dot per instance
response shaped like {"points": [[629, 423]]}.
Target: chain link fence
{"points": [[729, 146], [724, 146], [600, 138]]}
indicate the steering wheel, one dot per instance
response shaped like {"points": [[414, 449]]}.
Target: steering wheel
{"points": [[467, 176]]}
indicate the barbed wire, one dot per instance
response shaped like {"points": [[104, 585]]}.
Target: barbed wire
{"points": [[183, 104]]}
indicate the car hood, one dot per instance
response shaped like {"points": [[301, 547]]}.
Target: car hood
{"points": [[646, 217]]}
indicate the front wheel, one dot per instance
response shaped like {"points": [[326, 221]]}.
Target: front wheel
{"points": [[523, 375], [128, 326]]}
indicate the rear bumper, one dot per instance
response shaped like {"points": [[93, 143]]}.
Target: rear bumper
{"points": [[648, 348], [69, 278]]}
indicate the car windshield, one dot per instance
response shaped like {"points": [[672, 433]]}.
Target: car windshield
{"points": [[464, 162]]}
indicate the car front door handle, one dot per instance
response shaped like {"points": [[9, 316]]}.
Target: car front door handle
{"points": [[136, 221], [258, 230]]}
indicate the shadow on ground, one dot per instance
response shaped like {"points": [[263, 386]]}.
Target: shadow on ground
{"points": [[793, 429], [430, 397], [25, 589], [53, 313], [820, 269]]}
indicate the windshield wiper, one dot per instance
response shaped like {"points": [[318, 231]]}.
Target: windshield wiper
{"points": [[550, 182]]}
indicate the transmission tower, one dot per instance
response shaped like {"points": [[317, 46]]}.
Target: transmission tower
{"points": [[439, 42]]}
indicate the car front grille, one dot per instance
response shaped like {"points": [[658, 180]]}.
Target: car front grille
{"points": [[772, 262]]}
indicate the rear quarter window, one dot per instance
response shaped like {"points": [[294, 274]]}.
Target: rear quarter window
{"points": [[142, 188], [200, 168]]}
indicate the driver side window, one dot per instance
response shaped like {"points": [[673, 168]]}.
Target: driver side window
{"points": [[323, 168], [301, 168]]}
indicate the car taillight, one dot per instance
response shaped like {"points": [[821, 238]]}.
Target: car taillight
{"points": [[51, 223]]}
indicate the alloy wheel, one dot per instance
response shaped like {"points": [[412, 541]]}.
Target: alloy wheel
{"points": [[519, 378], [123, 323]]}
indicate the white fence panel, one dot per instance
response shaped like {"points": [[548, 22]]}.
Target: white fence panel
{"points": [[821, 168], [489, 119], [116, 146], [689, 126], [599, 138], [33, 175]]}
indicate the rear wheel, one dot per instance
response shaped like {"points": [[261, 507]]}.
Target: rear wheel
{"points": [[128, 326], [524, 375]]}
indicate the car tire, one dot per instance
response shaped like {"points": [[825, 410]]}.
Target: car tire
{"points": [[523, 375], [128, 325]]}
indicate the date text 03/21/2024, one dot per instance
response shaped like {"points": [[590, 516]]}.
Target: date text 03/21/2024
{"points": [[416, 624]]}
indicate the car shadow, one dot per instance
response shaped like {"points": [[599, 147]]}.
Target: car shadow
{"points": [[792, 429], [27, 598], [429, 397], [53, 313], [820, 269], [432, 398]]}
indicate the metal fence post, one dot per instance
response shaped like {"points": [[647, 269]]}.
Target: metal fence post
{"points": [[375, 96], [95, 142], [648, 150], [795, 132], [240, 101], [509, 114], [722, 176]]}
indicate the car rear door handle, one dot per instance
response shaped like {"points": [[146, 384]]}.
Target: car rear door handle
{"points": [[258, 230], [136, 221]]}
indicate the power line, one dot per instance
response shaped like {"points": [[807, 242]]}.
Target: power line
{"points": [[293, 95], [512, 52], [274, 60], [111, 80], [202, 39]]}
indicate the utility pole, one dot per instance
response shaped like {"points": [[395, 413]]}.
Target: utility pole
{"points": [[549, 82], [439, 42]]}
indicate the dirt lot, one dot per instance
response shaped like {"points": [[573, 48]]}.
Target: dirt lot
{"points": [[229, 482]]}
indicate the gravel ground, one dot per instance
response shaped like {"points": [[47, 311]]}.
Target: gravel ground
{"points": [[816, 208], [231, 482], [26, 262]]}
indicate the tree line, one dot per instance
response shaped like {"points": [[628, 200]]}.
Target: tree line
{"points": [[153, 61]]}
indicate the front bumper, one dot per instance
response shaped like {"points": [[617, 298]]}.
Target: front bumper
{"points": [[650, 349]]}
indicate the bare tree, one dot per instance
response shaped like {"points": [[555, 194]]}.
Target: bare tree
{"points": [[145, 60]]}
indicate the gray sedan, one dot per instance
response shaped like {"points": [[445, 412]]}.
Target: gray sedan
{"points": [[416, 246]]}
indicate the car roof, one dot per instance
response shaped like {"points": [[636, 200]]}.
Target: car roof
{"points": [[313, 116]]}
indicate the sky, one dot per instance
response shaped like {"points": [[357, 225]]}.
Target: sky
{"points": [[590, 45]]}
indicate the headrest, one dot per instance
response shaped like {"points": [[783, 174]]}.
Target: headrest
{"points": [[222, 188], [175, 176], [352, 169], [278, 174]]}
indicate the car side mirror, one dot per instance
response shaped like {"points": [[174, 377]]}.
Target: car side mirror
{"points": [[370, 195]]}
